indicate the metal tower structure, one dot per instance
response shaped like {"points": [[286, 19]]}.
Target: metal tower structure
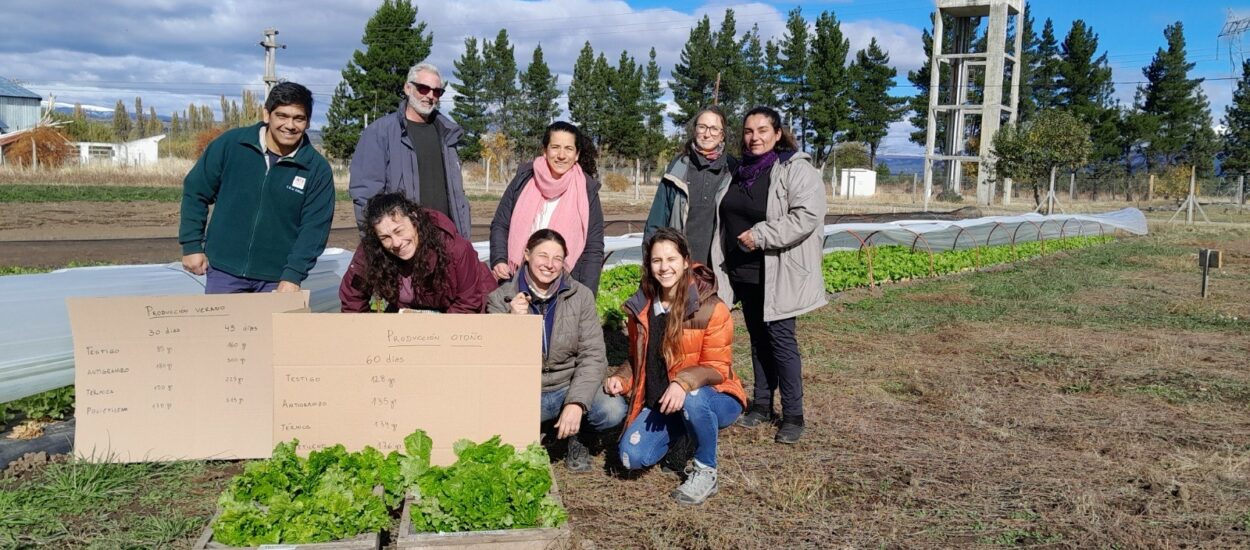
{"points": [[955, 105], [271, 46], [1234, 29]]}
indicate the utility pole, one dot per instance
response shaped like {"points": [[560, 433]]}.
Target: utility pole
{"points": [[271, 46]]}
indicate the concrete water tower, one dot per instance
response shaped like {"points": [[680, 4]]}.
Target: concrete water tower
{"points": [[951, 101]]}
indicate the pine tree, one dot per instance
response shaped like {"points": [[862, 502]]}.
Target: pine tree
{"points": [[796, 92], [1027, 62], [1085, 88], [536, 105], [375, 76], [1044, 77], [919, 78], [625, 132], [728, 67], [470, 99], [601, 77], [501, 83], [1237, 120], [873, 109], [829, 110], [760, 63], [121, 121], [653, 112], [582, 100], [1177, 114], [695, 75]]}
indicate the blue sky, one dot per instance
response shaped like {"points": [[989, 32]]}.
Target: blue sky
{"points": [[176, 52]]}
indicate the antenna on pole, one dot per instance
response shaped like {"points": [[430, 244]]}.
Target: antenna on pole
{"points": [[1232, 32], [271, 50]]}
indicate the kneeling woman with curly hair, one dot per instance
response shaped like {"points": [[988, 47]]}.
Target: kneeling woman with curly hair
{"points": [[412, 258]]}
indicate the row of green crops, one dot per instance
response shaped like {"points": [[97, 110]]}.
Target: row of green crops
{"points": [[55, 404], [857, 268]]}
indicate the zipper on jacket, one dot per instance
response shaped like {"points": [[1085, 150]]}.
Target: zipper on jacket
{"points": [[251, 243]]}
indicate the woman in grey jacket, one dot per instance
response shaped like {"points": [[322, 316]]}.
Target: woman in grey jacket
{"points": [[768, 247], [574, 357]]}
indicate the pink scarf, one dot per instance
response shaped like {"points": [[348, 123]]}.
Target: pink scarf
{"points": [[571, 217]]}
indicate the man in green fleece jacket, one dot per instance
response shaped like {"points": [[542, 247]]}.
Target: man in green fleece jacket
{"points": [[274, 201]]}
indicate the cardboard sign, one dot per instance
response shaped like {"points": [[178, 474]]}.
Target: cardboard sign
{"points": [[175, 377], [370, 379]]}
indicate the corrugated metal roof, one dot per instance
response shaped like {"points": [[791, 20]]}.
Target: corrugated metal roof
{"points": [[10, 89]]}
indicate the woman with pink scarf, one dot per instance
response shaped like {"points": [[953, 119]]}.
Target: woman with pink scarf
{"points": [[557, 191]]}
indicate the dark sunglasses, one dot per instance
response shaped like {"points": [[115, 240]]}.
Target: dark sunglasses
{"points": [[422, 89]]}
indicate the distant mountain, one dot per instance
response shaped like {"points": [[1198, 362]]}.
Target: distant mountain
{"points": [[101, 114], [900, 164]]}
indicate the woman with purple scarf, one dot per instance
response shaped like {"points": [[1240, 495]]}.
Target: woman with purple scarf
{"points": [[767, 248]]}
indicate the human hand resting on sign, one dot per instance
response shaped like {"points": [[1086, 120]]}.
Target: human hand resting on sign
{"points": [[196, 264], [613, 386], [570, 421], [287, 286]]}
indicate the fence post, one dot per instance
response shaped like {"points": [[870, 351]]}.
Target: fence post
{"points": [[913, 187], [1007, 191], [1241, 189], [637, 176], [1150, 188], [1072, 187]]}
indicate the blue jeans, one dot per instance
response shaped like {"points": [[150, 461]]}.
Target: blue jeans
{"points": [[705, 412], [217, 281], [606, 411]]}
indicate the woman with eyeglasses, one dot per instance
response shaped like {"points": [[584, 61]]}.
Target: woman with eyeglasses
{"points": [[557, 191], [768, 248], [685, 200], [574, 356]]}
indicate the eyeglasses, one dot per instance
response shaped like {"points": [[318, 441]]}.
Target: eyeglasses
{"points": [[422, 89], [709, 130]]}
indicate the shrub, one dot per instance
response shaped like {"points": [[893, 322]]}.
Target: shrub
{"points": [[616, 182], [615, 286], [51, 147], [206, 137]]}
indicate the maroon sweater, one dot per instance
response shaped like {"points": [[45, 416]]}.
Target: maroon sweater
{"points": [[468, 278]]}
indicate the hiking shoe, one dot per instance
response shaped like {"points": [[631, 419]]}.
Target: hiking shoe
{"points": [[699, 485], [791, 430], [754, 417], [679, 453], [578, 457]]}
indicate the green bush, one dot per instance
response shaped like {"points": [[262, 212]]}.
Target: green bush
{"points": [[55, 404]]}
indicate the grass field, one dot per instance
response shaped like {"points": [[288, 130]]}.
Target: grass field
{"points": [[1085, 399]]}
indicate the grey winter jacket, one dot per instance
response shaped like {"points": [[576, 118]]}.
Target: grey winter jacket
{"points": [[792, 237], [576, 356], [384, 162], [671, 205]]}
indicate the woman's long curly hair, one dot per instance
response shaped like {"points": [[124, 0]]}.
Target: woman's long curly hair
{"points": [[428, 266], [586, 152]]}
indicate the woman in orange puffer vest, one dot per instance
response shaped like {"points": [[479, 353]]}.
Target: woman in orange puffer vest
{"points": [[680, 361]]}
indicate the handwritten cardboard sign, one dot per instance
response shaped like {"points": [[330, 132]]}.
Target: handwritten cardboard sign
{"points": [[369, 379], [175, 377]]}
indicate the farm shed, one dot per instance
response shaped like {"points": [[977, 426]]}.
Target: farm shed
{"points": [[19, 107], [140, 152]]}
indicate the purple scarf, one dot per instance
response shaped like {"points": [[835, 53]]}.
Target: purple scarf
{"points": [[752, 166]]}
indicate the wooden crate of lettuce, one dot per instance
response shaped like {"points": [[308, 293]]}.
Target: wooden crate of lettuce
{"points": [[332, 500], [493, 497]]}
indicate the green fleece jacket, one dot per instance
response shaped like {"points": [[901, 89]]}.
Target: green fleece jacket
{"points": [[269, 222]]}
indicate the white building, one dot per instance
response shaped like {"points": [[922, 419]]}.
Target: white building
{"points": [[857, 182], [140, 152]]}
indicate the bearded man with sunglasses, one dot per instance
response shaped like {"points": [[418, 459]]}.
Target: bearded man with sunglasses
{"points": [[413, 151]]}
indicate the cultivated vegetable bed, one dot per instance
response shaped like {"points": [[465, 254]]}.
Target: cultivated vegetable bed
{"points": [[348, 497]]}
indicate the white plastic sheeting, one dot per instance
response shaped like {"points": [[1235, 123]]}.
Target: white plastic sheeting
{"points": [[36, 348]]}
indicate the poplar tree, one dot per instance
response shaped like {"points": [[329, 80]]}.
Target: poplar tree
{"points": [[175, 125], [873, 109], [1177, 114], [154, 123], [829, 104], [139, 128], [537, 105], [500, 85], [471, 99], [121, 121], [374, 76], [1237, 120]]}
